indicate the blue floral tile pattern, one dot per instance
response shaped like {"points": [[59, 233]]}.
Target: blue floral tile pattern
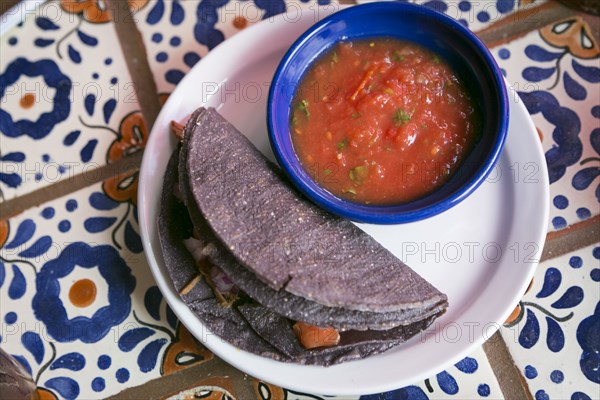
{"points": [[64, 89], [476, 15], [470, 378], [80, 310], [553, 336], [555, 71], [177, 34]]}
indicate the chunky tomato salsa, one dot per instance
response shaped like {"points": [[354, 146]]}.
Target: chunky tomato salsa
{"points": [[382, 121]]}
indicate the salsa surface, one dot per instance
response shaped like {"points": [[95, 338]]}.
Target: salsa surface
{"points": [[382, 121]]}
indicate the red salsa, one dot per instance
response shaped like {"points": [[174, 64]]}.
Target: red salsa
{"points": [[382, 121]]}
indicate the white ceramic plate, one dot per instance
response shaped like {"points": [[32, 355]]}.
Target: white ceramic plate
{"points": [[481, 253]]}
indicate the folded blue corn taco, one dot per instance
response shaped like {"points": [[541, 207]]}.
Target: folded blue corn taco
{"points": [[257, 262]]}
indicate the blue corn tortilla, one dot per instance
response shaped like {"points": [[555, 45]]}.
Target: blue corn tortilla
{"points": [[252, 326], [264, 326], [285, 240], [174, 227], [281, 301]]}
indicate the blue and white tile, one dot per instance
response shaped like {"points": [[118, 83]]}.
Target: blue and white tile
{"points": [[79, 307], [177, 34], [555, 71], [477, 15], [64, 89], [553, 335], [470, 378]]}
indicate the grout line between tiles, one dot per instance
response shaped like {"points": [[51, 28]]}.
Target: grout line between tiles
{"points": [[13, 207], [6, 5], [509, 378], [575, 237], [134, 52], [189, 378], [522, 22]]}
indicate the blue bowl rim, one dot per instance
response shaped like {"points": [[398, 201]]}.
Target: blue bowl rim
{"points": [[388, 214]]}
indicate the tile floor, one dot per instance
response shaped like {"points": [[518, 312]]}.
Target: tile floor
{"points": [[553, 335], [100, 324], [66, 93], [555, 71]]}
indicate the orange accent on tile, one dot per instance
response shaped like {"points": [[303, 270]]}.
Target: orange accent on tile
{"points": [[82, 293], [122, 187], [530, 285], [240, 22], [162, 98], [136, 5], [574, 34], [43, 394], [4, 231], [518, 310], [185, 351], [92, 10], [133, 136], [513, 315], [95, 11], [27, 100], [266, 391], [540, 134]]}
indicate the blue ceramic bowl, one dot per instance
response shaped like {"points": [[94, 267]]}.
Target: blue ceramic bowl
{"points": [[456, 44]]}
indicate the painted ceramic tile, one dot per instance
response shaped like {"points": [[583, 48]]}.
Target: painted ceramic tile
{"points": [[65, 95], [478, 14], [177, 34], [553, 333], [474, 14], [79, 307], [470, 378], [555, 70]]}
